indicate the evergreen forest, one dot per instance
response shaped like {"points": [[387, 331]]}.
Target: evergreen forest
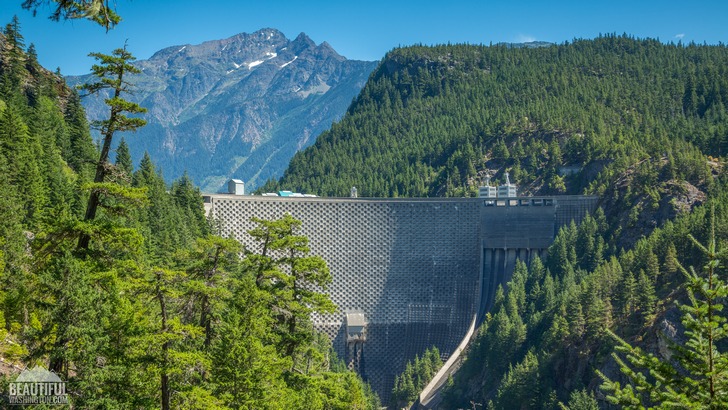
{"points": [[118, 283], [433, 121], [626, 310]]}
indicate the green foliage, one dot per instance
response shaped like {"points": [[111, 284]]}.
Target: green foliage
{"points": [[123, 161], [415, 377], [158, 312], [209, 264], [97, 11], [154, 311], [581, 400], [82, 154], [267, 354], [111, 72], [432, 119], [296, 280], [23, 153], [553, 320], [695, 376], [246, 367]]}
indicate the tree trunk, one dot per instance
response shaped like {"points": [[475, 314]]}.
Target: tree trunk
{"points": [[165, 346], [205, 321], [94, 198]]}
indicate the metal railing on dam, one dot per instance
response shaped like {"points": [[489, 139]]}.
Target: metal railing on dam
{"points": [[418, 272]]}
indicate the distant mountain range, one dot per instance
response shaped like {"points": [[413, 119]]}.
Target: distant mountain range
{"points": [[529, 44], [238, 107]]}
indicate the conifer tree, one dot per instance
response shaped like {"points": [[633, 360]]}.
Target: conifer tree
{"points": [[14, 291], [210, 262], [112, 72], [697, 374], [296, 278], [189, 199], [581, 400], [121, 329], [123, 160], [627, 295], [415, 376], [646, 295], [13, 56], [652, 266], [23, 154], [98, 11], [671, 264]]}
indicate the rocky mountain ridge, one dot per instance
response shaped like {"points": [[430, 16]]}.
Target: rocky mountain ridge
{"points": [[238, 107]]}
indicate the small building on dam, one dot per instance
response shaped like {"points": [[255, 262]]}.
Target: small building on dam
{"points": [[408, 273]]}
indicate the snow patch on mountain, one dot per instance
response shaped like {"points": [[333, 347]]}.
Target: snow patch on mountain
{"points": [[294, 59], [269, 55], [254, 63]]}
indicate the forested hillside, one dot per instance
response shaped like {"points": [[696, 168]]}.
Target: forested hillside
{"points": [[431, 120], [547, 334], [640, 123], [138, 304]]}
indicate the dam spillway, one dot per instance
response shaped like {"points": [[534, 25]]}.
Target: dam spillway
{"points": [[409, 273]]}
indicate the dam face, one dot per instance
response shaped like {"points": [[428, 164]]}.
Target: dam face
{"points": [[408, 274]]}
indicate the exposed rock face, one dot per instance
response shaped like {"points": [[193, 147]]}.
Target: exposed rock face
{"points": [[638, 215], [238, 107]]}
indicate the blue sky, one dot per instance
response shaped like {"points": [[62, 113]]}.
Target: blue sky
{"points": [[364, 30]]}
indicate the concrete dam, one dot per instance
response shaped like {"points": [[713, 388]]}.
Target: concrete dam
{"points": [[409, 273]]}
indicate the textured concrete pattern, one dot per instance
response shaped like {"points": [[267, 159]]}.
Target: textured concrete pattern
{"points": [[420, 270]]}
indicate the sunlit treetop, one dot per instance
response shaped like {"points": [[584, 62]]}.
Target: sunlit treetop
{"points": [[98, 11]]}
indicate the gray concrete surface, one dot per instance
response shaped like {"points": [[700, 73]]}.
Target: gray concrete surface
{"points": [[421, 270]]}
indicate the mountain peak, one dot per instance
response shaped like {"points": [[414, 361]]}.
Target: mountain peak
{"points": [[267, 34], [303, 39], [326, 49], [237, 43], [239, 106]]}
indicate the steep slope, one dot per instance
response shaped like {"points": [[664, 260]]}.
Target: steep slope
{"points": [[433, 119], [638, 122], [238, 107]]}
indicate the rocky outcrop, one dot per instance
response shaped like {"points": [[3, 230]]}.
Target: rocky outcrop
{"points": [[638, 211]]}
